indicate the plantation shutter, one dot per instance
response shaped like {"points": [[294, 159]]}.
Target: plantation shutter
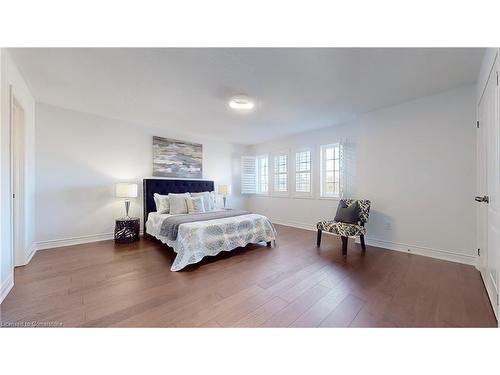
{"points": [[342, 182], [248, 175], [347, 170]]}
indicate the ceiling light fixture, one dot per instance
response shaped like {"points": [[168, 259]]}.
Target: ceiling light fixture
{"points": [[241, 102]]}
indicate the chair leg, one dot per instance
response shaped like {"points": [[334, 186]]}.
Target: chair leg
{"points": [[344, 246], [318, 239], [362, 239]]}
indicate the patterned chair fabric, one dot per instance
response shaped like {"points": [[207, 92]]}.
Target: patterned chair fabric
{"points": [[344, 229], [341, 229]]}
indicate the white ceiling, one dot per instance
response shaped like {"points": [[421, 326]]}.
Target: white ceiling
{"points": [[188, 89]]}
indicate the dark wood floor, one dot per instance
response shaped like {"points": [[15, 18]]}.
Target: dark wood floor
{"points": [[292, 285]]}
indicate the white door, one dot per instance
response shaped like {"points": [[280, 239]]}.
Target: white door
{"points": [[17, 182], [489, 186]]}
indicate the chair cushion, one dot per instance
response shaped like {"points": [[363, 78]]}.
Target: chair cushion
{"points": [[348, 213], [341, 229]]}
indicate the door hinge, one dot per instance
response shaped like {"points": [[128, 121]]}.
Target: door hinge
{"points": [[497, 78], [13, 196], [477, 124], [478, 252]]}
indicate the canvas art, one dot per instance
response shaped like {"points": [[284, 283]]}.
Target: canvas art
{"points": [[173, 158]]}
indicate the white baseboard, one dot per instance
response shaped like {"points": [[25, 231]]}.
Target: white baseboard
{"points": [[50, 244], [6, 287], [294, 224], [421, 250], [397, 246], [32, 251]]}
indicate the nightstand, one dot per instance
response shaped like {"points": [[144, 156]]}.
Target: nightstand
{"points": [[127, 229]]}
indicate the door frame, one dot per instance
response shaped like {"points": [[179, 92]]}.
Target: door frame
{"points": [[17, 182]]}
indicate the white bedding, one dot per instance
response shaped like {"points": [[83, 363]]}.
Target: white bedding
{"points": [[201, 238]]}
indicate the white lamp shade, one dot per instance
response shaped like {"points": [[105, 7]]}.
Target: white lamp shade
{"points": [[224, 189], [126, 190]]}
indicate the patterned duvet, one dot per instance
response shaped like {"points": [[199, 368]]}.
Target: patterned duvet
{"points": [[198, 239]]}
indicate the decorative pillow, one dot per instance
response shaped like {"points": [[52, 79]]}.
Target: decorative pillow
{"points": [[348, 214], [208, 204], [162, 203], [216, 201], [178, 203], [195, 205]]}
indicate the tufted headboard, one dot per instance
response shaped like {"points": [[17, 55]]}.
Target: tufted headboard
{"points": [[164, 186]]}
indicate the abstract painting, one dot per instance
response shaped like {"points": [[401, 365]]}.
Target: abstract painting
{"points": [[173, 158]]}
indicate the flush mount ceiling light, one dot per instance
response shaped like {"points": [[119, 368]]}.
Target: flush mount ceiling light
{"points": [[241, 103]]}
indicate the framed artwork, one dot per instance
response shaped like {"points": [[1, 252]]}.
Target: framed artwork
{"points": [[174, 158]]}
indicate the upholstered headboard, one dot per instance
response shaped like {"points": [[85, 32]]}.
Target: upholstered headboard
{"points": [[164, 186]]}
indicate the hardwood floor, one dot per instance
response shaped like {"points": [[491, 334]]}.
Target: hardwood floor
{"points": [[291, 285]]}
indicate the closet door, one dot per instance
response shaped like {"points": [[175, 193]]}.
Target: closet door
{"points": [[489, 186]]}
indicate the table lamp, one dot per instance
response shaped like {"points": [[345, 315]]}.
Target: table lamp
{"points": [[126, 190], [224, 190]]}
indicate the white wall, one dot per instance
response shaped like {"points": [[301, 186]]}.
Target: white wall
{"points": [[11, 78], [484, 72], [81, 156], [414, 161]]}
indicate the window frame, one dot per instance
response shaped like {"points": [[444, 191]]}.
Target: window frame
{"points": [[322, 150], [300, 194], [275, 156], [258, 190]]}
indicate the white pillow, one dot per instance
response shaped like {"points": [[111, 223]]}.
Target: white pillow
{"points": [[207, 200], [162, 203], [216, 200], [178, 203], [195, 205]]}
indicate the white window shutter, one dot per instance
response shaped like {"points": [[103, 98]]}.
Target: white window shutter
{"points": [[248, 175]]}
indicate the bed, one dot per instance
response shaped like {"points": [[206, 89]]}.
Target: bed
{"points": [[223, 230]]}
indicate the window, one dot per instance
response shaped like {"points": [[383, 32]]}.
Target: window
{"points": [[248, 175], [330, 170], [281, 173], [262, 175], [303, 172]]}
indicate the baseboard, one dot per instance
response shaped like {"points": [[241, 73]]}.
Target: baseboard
{"points": [[295, 224], [421, 250], [397, 246], [6, 287], [51, 244], [32, 251]]}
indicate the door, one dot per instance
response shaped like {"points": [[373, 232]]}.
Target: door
{"points": [[489, 185], [17, 182]]}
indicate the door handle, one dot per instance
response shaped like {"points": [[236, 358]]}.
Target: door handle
{"points": [[484, 199]]}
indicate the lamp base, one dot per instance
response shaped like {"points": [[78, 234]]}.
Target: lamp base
{"points": [[224, 200], [127, 206]]}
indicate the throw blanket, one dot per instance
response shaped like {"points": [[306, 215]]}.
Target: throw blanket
{"points": [[170, 226]]}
